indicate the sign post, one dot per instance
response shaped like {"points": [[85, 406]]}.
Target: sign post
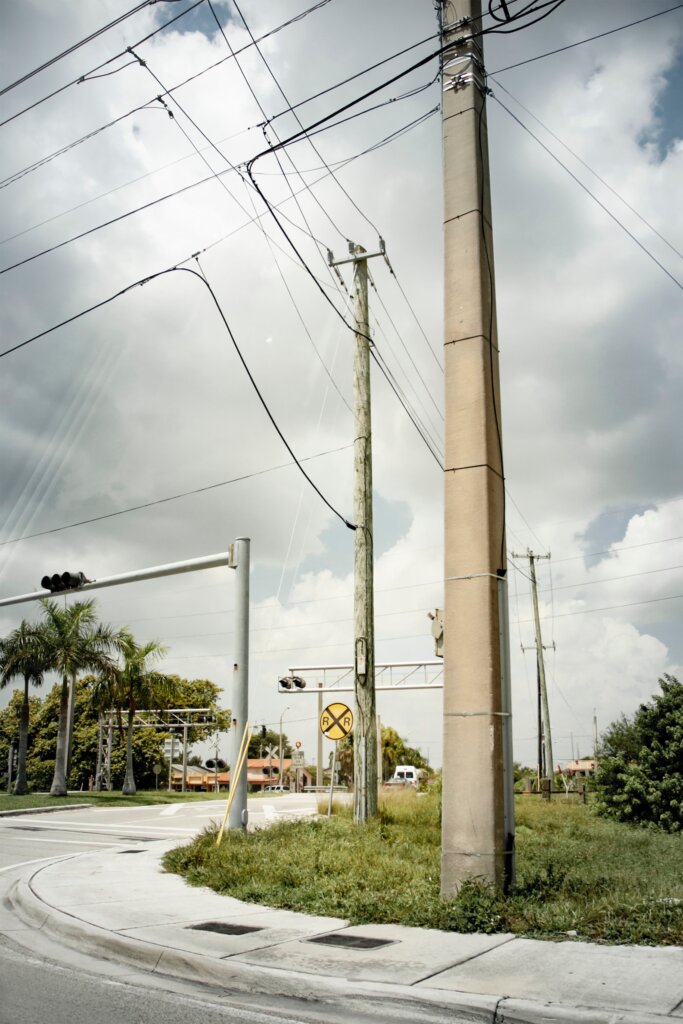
{"points": [[336, 722]]}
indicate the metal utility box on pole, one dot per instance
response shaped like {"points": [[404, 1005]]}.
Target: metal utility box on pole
{"points": [[365, 732], [477, 823], [237, 817]]}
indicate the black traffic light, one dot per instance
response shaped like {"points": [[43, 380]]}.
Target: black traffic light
{"points": [[287, 682], [263, 732], [218, 763], [64, 581]]}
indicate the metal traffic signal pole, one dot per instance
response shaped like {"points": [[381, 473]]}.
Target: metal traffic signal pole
{"points": [[237, 817], [237, 557], [477, 821]]}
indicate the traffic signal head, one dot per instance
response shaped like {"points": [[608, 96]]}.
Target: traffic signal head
{"points": [[287, 682], [64, 581], [263, 732]]}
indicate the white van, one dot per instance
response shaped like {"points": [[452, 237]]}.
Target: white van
{"points": [[405, 775]]}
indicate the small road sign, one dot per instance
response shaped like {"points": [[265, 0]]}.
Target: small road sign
{"points": [[336, 721], [157, 769], [298, 759]]}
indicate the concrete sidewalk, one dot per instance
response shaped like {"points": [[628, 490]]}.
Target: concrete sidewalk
{"points": [[120, 905]]}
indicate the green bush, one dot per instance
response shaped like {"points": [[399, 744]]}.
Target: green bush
{"points": [[640, 774]]}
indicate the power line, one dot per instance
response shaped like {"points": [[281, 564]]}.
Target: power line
{"points": [[624, 547], [172, 497], [589, 168], [614, 579], [590, 39], [76, 46], [83, 78], [588, 192], [203, 279], [612, 607]]}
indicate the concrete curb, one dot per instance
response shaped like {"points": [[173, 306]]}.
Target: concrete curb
{"points": [[44, 810], [403, 1002], [433, 1005]]}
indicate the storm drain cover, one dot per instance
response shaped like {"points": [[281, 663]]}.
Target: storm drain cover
{"points": [[350, 941], [225, 929], [131, 851]]}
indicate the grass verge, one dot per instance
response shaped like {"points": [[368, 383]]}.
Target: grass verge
{"points": [[577, 875], [9, 802]]}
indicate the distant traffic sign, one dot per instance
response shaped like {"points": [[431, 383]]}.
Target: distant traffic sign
{"points": [[298, 759], [336, 721]]}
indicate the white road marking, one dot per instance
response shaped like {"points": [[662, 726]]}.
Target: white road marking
{"points": [[97, 829], [67, 842], [170, 810]]}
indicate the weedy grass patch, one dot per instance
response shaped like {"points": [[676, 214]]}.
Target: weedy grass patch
{"points": [[577, 875]]}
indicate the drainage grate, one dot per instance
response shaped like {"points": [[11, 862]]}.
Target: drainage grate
{"points": [[347, 941], [225, 929], [131, 851]]}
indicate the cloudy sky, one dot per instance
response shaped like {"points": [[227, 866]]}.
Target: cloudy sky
{"points": [[146, 399]]}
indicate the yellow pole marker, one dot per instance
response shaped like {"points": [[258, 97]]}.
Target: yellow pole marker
{"points": [[244, 746]]}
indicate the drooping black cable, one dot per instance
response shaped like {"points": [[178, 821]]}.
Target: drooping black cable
{"points": [[592, 195], [201, 277]]}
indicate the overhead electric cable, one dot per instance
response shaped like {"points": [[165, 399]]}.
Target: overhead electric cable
{"points": [[614, 579], [590, 39], [589, 168], [172, 497], [76, 46], [82, 78], [592, 195], [296, 116], [612, 607]]}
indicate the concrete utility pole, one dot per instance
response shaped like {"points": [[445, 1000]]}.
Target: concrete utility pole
{"points": [[240, 683], [477, 812], [547, 735], [365, 729]]}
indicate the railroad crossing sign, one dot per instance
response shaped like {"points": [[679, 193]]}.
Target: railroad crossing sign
{"points": [[336, 721]]}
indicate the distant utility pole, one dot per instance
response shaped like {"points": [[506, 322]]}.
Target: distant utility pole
{"points": [[547, 735], [365, 728], [477, 836], [540, 770]]}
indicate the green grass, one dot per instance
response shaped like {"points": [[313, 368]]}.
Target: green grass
{"points": [[576, 873], [114, 799]]}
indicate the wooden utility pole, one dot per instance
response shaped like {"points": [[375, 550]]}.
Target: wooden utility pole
{"points": [[365, 720], [477, 814], [543, 689]]}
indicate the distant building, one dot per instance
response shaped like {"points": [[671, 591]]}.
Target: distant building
{"points": [[261, 772], [583, 768]]}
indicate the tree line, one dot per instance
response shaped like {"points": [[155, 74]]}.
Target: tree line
{"points": [[100, 669]]}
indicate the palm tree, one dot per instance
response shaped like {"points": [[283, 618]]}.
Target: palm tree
{"points": [[74, 642], [131, 687], [22, 654]]}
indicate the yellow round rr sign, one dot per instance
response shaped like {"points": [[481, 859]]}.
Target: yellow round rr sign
{"points": [[336, 721]]}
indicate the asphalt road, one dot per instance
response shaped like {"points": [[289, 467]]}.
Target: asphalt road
{"points": [[41, 983], [32, 837]]}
